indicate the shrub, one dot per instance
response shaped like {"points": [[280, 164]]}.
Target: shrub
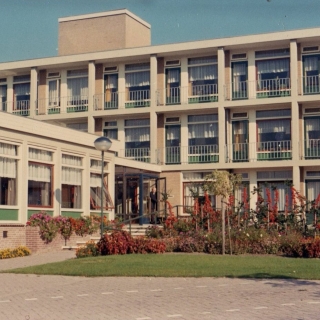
{"points": [[20, 251], [90, 249], [290, 244], [118, 242], [84, 226], [311, 248], [148, 245], [154, 232], [191, 242]]}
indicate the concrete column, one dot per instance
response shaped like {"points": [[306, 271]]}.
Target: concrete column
{"points": [[122, 86], [252, 184], [153, 136], [296, 177], [57, 199], [86, 185], [184, 139], [64, 92], [22, 186], [121, 136], [184, 81], [153, 81], [252, 147], [295, 137], [91, 85], [221, 110], [91, 124], [251, 74], [33, 91], [221, 75], [9, 94], [294, 68], [111, 181]]}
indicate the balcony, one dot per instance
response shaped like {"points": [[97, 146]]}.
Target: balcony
{"points": [[258, 151], [58, 105], [21, 108], [188, 155], [311, 149], [205, 93], [137, 154], [106, 101], [311, 85], [258, 89]]}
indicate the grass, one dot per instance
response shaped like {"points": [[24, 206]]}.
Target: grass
{"points": [[181, 265]]}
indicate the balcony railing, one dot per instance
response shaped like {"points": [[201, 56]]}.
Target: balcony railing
{"points": [[21, 108], [106, 101], [258, 151], [3, 105], [258, 89], [137, 98], [76, 103], [311, 85], [138, 154], [188, 155], [311, 149], [187, 95]]}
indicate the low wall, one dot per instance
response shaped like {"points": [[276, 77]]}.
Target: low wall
{"points": [[12, 236]]}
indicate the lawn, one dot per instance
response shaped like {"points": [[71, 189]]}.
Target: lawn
{"points": [[182, 265]]}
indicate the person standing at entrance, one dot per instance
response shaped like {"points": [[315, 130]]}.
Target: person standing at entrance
{"points": [[154, 202]]}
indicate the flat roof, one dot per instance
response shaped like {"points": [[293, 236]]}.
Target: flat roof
{"points": [[105, 14]]}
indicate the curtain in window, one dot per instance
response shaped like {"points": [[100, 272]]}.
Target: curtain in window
{"points": [[137, 79], [8, 149], [282, 189], [310, 63], [77, 197], [8, 168], [71, 160], [274, 126], [313, 189], [95, 180], [77, 87], [313, 124], [273, 66], [111, 82], [203, 73], [173, 76], [173, 133], [54, 90], [39, 172], [3, 92], [240, 128], [137, 134], [239, 70], [71, 176], [11, 201], [21, 89], [40, 154], [203, 130]]}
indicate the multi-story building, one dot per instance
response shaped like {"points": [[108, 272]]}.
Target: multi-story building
{"points": [[248, 104]]}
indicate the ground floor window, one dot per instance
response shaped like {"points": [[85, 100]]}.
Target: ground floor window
{"points": [[71, 187], [7, 191]]}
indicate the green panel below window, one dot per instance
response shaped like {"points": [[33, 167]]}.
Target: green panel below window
{"points": [[71, 214], [31, 212], [9, 214]]}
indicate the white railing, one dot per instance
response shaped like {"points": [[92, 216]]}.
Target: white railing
{"points": [[137, 98], [203, 93], [48, 106], [311, 149], [188, 154], [311, 84], [75, 103], [106, 101], [138, 154], [258, 89], [21, 108], [258, 151]]}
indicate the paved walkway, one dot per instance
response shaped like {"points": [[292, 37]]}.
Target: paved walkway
{"points": [[35, 297]]}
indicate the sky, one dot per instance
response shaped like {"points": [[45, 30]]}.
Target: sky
{"points": [[29, 28]]}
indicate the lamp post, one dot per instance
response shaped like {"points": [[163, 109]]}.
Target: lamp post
{"points": [[102, 144]]}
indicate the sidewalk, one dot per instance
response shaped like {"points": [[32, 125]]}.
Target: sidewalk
{"points": [[36, 259]]}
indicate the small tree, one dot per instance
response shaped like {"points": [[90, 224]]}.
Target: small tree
{"points": [[222, 183]]}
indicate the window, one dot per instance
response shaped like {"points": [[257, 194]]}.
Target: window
{"points": [[40, 178], [190, 191], [3, 98], [173, 85], [78, 126], [77, 83], [203, 77], [312, 137], [239, 79], [111, 90], [21, 90], [8, 174], [311, 74], [54, 92], [71, 181], [274, 134], [111, 130], [137, 83]]}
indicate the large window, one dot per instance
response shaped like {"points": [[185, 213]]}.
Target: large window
{"points": [[40, 178], [3, 97], [137, 84], [71, 181], [312, 137], [111, 130], [8, 174], [21, 90], [203, 78], [311, 74], [111, 91], [77, 82], [274, 134]]}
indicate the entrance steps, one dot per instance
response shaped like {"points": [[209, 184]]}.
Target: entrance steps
{"points": [[136, 231]]}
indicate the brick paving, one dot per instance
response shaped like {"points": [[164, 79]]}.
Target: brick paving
{"points": [[35, 297]]}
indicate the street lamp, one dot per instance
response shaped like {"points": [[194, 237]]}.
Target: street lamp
{"points": [[102, 144]]}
